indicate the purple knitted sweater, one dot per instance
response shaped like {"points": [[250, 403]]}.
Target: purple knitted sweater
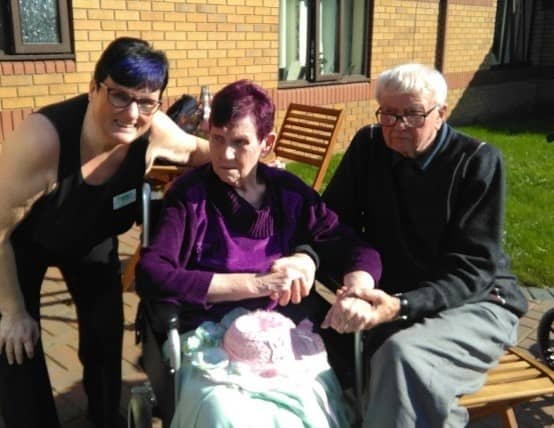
{"points": [[205, 227]]}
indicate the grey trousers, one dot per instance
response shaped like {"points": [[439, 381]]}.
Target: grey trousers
{"points": [[418, 373]]}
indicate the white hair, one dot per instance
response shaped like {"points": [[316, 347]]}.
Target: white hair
{"points": [[415, 79]]}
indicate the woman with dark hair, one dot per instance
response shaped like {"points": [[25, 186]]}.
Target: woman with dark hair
{"points": [[69, 178], [239, 234]]}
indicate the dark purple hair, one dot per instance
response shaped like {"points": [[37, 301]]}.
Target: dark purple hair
{"points": [[240, 99], [133, 63]]}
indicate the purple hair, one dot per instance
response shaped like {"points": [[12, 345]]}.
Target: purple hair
{"points": [[240, 99]]}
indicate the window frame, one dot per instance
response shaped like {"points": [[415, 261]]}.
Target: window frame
{"points": [[313, 75], [16, 48]]}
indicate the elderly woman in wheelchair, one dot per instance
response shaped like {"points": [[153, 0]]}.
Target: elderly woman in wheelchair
{"points": [[236, 248]]}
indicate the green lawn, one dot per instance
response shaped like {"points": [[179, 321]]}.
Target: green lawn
{"points": [[529, 160]]}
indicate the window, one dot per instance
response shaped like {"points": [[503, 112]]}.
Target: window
{"points": [[323, 40], [34, 27], [513, 31]]}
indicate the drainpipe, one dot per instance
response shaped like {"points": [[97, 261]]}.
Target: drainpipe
{"points": [[441, 35]]}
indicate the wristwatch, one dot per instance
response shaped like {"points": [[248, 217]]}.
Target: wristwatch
{"points": [[404, 307]]}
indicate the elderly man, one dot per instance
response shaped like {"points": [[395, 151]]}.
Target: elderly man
{"points": [[431, 201]]}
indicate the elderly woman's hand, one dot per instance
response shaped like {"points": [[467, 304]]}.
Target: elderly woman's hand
{"points": [[357, 280], [277, 285], [300, 286]]}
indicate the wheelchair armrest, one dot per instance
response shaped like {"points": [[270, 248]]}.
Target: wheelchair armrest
{"points": [[163, 319], [160, 315]]}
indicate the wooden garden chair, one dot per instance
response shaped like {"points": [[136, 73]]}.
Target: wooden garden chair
{"points": [[308, 135], [519, 377]]}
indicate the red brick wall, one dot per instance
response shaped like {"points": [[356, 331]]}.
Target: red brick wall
{"points": [[214, 42]]}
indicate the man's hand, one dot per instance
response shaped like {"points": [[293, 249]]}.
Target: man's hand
{"points": [[382, 307], [359, 306], [349, 314], [301, 286], [19, 334]]}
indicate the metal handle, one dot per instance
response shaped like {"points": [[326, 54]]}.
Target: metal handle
{"points": [[146, 197], [174, 351], [359, 372]]}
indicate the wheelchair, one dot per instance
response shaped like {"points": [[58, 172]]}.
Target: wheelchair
{"points": [[157, 323]]}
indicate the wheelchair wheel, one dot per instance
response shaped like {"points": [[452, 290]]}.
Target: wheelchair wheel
{"points": [[139, 412], [545, 338]]}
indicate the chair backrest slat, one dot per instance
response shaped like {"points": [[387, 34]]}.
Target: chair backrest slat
{"points": [[308, 135]]}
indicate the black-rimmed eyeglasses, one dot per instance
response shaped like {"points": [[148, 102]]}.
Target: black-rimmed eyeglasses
{"points": [[410, 120], [121, 99]]}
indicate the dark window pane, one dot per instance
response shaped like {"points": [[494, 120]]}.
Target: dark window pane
{"points": [[513, 29]]}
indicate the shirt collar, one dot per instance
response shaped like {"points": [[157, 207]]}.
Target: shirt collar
{"points": [[423, 161]]}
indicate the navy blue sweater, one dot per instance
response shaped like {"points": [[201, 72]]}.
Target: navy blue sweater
{"points": [[437, 221]]}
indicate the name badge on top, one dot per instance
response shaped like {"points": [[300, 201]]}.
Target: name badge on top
{"points": [[124, 199]]}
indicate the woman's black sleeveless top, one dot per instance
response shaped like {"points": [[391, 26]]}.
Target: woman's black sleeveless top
{"points": [[76, 216]]}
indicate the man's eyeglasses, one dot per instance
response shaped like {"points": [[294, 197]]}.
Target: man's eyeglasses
{"points": [[410, 120], [121, 99]]}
